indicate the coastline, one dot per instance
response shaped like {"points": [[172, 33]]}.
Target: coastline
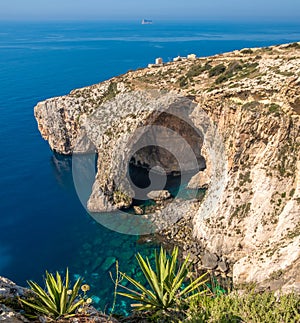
{"points": [[242, 94]]}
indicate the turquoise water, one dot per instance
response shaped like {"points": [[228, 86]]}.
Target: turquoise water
{"points": [[43, 225]]}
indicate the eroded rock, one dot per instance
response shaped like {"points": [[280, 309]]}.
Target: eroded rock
{"points": [[209, 260], [159, 195], [250, 142]]}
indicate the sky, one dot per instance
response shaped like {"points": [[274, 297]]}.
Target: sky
{"points": [[283, 10]]}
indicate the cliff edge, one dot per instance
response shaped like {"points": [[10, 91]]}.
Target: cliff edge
{"points": [[240, 112]]}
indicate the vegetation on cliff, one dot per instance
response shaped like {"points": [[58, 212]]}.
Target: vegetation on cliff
{"points": [[167, 294], [252, 97]]}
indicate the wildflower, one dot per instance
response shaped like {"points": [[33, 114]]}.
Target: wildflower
{"points": [[85, 288], [69, 292], [79, 310], [89, 301]]}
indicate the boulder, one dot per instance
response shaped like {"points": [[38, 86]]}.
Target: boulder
{"points": [[9, 289], [200, 180], [159, 195], [8, 315], [209, 260], [222, 266], [138, 210]]}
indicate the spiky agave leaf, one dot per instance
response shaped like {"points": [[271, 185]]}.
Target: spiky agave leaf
{"points": [[55, 301], [166, 283]]}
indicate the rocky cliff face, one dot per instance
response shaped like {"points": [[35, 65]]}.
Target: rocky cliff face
{"points": [[238, 114]]}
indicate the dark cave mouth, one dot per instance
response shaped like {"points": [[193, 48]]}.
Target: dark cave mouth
{"points": [[168, 154], [176, 183]]}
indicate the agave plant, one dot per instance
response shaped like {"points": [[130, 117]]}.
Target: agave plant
{"points": [[169, 286], [58, 300]]}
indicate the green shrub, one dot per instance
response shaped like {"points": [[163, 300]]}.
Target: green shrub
{"points": [[247, 70], [206, 67], [293, 45], [252, 105], [250, 307], [183, 81], [217, 70], [121, 198], [247, 51], [232, 69], [195, 71], [292, 192], [59, 300], [274, 108], [111, 91], [222, 78], [169, 289]]}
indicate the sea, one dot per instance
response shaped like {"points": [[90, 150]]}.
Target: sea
{"points": [[43, 225]]}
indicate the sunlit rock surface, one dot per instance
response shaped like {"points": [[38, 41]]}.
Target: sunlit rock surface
{"points": [[240, 122]]}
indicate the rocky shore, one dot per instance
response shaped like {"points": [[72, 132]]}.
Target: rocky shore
{"points": [[238, 111], [11, 310]]}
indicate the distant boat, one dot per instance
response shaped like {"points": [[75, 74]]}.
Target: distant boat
{"points": [[147, 22]]}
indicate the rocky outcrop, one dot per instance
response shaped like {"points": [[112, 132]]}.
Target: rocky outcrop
{"points": [[159, 195], [9, 293], [11, 310], [236, 115]]}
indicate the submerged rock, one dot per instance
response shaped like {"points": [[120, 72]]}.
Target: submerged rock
{"points": [[108, 263]]}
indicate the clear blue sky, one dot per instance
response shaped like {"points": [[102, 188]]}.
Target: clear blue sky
{"points": [[283, 10]]}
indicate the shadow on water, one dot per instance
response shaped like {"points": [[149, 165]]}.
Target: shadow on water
{"points": [[62, 169]]}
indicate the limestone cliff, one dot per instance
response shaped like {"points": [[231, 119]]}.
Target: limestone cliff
{"points": [[249, 137]]}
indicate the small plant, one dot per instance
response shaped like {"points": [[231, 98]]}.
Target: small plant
{"points": [[111, 91], [169, 289], [252, 105], [293, 45], [233, 68], [274, 108], [58, 300], [249, 307], [292, 192], [183, 81], [198, 69], [122, 199], [195, 70], [247, 51], [222, 78], [217, 70]]}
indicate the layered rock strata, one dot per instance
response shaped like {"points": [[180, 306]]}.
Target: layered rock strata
{"points": [[241, 115]]}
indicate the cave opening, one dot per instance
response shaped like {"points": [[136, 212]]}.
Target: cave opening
{"points": [[165, 157]]}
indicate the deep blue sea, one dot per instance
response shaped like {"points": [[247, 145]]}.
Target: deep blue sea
{"points": [[42, 223]]}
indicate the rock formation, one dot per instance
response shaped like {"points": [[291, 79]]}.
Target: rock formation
{"points": [[239, 115], [11, 310]]}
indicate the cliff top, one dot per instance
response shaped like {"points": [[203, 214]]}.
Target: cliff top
{"points": [[250, 214]]}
